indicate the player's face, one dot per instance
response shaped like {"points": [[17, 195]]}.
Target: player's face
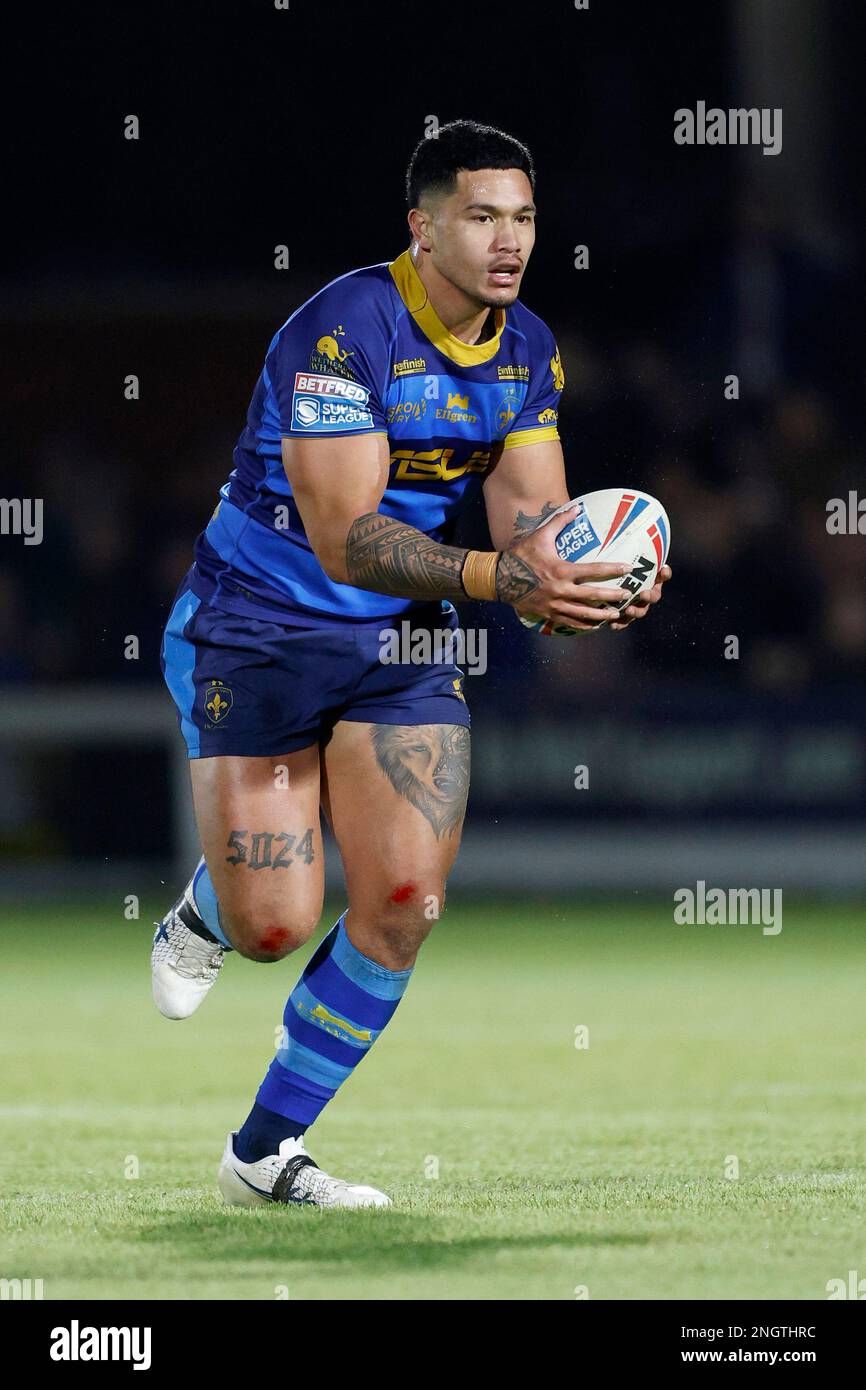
{"points": [[483, 233]]}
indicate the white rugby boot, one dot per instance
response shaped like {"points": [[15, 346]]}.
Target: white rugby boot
{"points": [[184, 965], [291, 1177]]}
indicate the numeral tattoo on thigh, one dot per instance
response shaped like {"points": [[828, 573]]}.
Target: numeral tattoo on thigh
{"points": [[269, 849], [428, 764]]}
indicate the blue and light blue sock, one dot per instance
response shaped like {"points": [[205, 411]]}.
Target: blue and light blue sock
{"points": [[333, 1016], [205, 899]]}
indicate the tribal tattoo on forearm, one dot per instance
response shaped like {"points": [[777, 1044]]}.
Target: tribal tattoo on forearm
{"points": [[384, 555], [428, 764]]}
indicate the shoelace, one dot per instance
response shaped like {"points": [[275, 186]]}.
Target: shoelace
{"points": [[191, 961], [283, 1189], [197, 970]]}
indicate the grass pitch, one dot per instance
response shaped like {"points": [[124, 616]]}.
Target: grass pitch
{"points": [[521, 1166]]}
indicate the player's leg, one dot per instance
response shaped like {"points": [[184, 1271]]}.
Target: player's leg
{"points": [[397, 798], [258, 821], [395, 775], [258, 887], [247, 693]]}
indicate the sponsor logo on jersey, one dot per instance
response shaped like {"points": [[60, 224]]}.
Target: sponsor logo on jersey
{"points": [[321, 403], [407, 365], [547, 417], [413, 466], [515, 372], [456, 410], [330, 357], [404, 411], [558, 373], [218, 700]]}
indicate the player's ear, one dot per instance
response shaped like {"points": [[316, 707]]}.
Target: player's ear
{"points": [[418, 220]]}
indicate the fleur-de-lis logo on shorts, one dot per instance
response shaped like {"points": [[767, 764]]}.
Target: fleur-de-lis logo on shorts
{"points": [[218, 701]]}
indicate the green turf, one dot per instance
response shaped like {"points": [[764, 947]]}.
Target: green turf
{"points": [[557, 1167]]}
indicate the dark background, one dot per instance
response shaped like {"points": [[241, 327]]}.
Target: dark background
{"points": [[262, 127]]}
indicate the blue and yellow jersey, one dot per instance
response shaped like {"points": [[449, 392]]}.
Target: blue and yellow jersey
{"points": [[368, 354]]}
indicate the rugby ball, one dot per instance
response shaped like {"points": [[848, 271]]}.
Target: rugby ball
{"points": [[618, 524]]}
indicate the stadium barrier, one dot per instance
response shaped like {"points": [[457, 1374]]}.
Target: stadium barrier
{"points": [[690, 809]]}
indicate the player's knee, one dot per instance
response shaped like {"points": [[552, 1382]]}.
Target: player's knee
{"points": [[263, 935], [407, 917]]}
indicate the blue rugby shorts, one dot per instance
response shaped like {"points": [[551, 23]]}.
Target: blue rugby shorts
{"points": [[255, 688]]}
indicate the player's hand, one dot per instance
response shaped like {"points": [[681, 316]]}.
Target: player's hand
{"points": [[534, 580], [640, 606]]}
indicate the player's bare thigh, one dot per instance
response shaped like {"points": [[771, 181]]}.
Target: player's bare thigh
{"points": [[258, 820], [397, 800]]}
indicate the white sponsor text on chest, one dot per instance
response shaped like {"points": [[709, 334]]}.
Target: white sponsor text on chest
{"points": [[330, 386]]}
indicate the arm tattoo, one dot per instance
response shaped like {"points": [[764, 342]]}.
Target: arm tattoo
{"points": [[514, 578], [384, 555], [428, 764], [524, 524]]}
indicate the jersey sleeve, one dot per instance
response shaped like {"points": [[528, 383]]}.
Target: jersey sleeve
{"points": [[325, 367], [538, 418]]}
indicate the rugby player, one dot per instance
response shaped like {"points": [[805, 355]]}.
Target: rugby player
{"points": [[385, 404]]}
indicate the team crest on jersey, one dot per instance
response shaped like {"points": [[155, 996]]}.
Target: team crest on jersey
{"points": [[322, 404], [218, 700], [330, 356], [507, 413], [558, 373]]}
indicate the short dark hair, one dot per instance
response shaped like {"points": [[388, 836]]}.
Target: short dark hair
{"points": [[437, 160]]}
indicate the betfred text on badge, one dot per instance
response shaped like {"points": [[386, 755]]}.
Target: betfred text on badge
{"points": [[324, 403]]}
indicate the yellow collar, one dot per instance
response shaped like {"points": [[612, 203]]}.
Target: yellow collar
{"points": [[412, 291]]}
